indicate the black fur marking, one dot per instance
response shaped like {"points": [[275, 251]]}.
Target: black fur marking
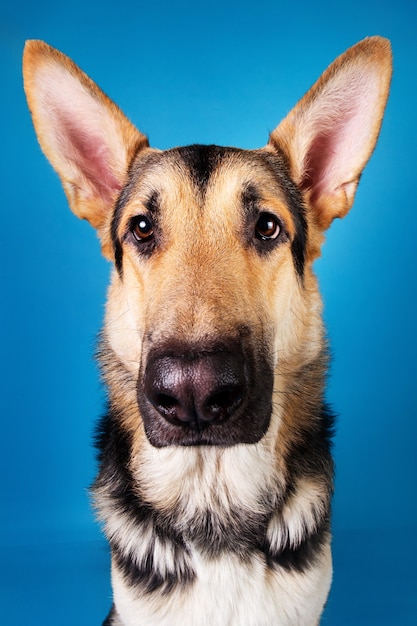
{"points": [[114, 477], [237, 531], [152, 205], [278, 167], [136, 168], [117, 246], [311, 456], [302, 557], [202, 161], [147, 574]]}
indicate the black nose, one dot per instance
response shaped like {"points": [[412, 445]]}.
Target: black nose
{"points": [[197, 388]]}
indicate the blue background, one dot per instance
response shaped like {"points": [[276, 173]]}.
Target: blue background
{"points": [[184, 72]]}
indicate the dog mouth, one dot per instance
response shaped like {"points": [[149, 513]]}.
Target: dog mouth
{"points": [[217, 395]]}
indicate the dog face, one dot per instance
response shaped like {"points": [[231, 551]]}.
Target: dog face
{"points": [[213, 308], [210, 247]]}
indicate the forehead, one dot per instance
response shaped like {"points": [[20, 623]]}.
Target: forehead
{"points": [[201, 170]]}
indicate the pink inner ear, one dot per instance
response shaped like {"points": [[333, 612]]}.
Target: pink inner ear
{"points": [[340, 133], [81, 131], [316, 163], [89, 153], [323, 163]]}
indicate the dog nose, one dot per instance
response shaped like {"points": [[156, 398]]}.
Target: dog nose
{"points": [[197, 389]]}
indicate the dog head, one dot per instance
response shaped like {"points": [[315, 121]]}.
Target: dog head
{"points": [[213, 305]]}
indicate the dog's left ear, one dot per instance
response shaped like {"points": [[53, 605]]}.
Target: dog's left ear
{"points": [[330, 134]]}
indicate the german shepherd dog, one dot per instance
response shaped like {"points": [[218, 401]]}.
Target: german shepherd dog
{"points": [[216, 474]]}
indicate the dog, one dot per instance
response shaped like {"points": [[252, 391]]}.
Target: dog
{"points": [[215, 470]]}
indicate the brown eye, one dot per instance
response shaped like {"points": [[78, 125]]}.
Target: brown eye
{"points": [[142, 228], [267, 227]]}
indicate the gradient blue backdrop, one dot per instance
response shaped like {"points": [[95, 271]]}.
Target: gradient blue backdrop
{"points": [[184, 72]]}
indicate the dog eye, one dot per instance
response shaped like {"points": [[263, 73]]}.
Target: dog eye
{"points": [[142, 228], [267, 227]]}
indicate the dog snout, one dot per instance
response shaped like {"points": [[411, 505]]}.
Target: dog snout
{"points": [[197, 389]]}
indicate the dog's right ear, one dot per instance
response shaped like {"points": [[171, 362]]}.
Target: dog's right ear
{"points": [[86, 137]]}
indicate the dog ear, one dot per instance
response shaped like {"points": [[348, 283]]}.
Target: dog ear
{"points": [[86, 137], [330, 134]]}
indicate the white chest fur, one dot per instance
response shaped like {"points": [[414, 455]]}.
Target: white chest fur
{"points": [[229, 592]]}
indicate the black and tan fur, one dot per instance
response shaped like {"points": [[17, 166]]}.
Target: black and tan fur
{"points": [[215, 475]]}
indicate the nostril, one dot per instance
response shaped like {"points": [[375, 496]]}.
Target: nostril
{"points": [[176, 410], [165, 402], [221, 404]]}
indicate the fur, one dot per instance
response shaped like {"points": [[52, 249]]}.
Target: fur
{"points": [[215, 469]]}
